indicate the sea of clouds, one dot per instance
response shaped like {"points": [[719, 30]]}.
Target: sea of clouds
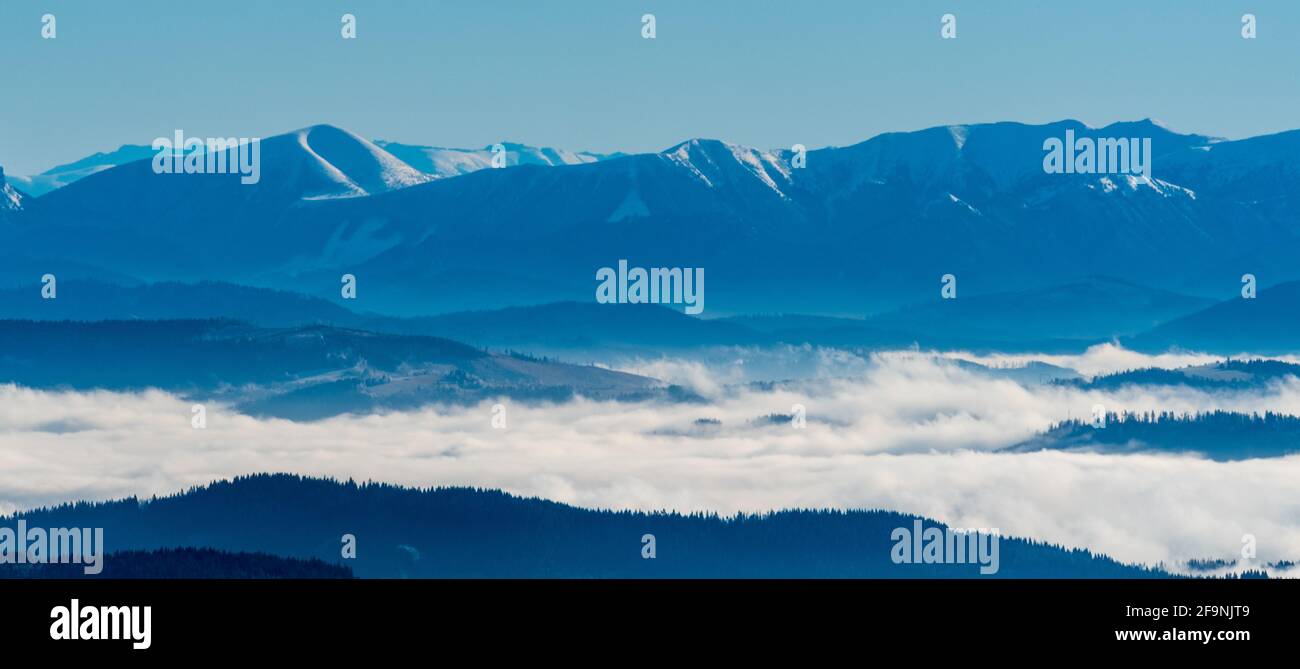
{"points": [[907, 431]]}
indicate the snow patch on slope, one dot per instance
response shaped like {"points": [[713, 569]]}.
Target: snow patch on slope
{"points": [[1137, 182], [10, 199], [959, 134]]}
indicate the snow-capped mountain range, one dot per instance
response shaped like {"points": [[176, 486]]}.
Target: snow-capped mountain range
{"points": [[859, 229], [434, 162], [440, 162]]}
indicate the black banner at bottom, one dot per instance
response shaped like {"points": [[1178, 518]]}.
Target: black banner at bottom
{"points": [[307, 618]]}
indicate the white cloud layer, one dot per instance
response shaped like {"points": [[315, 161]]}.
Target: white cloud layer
{"points": [[906, 432], [1103, 359]]}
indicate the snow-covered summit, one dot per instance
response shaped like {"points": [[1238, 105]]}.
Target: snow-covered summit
{"points": [[339, 163], [441, 162], [718, 163]]}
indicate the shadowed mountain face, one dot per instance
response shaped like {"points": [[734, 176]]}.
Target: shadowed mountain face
{"points": [[860, 229], [463, 533], [298, 373], [1266, 324]]}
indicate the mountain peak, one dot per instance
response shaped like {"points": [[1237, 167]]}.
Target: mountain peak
{"points": [[326, 127], [352, 164], [698, 143], [716, 162]]}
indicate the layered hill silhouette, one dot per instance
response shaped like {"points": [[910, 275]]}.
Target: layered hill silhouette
{"points": [[1096, 308], [468, 533], [303, 373], [90, 300], [1067, 317], [1266, 324]]}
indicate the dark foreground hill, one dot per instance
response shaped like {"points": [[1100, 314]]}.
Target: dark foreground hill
{"points": [[185, 563], [459, 532]]}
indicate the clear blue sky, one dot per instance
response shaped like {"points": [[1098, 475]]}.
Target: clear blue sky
{"points": [[576, 73]]}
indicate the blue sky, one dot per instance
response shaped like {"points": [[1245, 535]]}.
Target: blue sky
{"points": [[577, 74]]}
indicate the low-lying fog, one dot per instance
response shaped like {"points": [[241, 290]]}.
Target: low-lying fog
{"points": [[905, 430]]}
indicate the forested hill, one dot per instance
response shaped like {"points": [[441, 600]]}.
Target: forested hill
{"points": [[183, 563], [460, 532], [1218, 435], [1232, 374]]}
